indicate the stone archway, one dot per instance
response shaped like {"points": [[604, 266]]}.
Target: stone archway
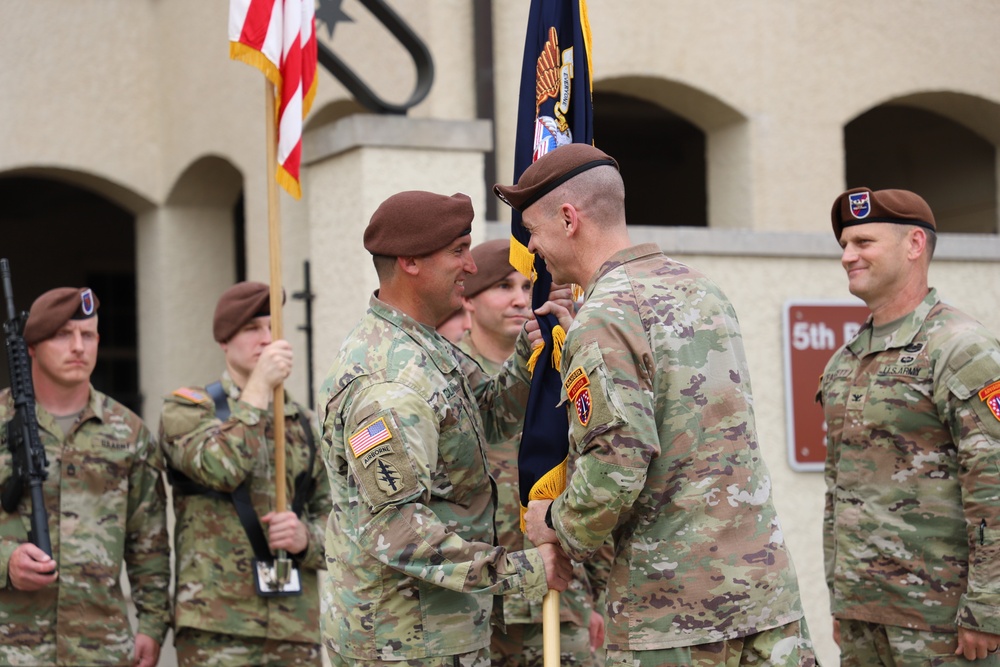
{"points": [[59, 234], [688, 149], [937, 145]]}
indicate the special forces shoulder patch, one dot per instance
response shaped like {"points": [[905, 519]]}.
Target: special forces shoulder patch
{"points": [[382, 470], [990, 394], [578, 391]]}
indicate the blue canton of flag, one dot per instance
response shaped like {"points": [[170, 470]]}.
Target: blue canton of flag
{"points": [[375, 433]]}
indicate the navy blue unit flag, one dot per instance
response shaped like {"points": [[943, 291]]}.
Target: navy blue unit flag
{"points": [[554, 108]]}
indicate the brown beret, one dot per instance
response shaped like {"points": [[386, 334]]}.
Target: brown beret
{"points": [[238, 305], [550, 171], [492, 265], [55, 308], [860, 205], [416, 223]]}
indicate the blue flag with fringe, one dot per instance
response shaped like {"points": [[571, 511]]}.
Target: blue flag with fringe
{"points": [[554, 108]]}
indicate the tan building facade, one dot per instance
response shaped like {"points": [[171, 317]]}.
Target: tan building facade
{"points": [[132, 159]]}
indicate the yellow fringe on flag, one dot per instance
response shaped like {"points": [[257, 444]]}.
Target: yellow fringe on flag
{"points": [[254, 58], [558, 340], [587, 40], [548, 487], [307, 100], [522, 260], [533, 359], [288, 182]]}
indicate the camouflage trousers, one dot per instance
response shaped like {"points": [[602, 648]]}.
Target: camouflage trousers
{"points": [[521, 646], [864, 644], [197, 648], [785, 646], [480, 658]]}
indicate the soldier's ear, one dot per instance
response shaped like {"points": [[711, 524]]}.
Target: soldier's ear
{"points": [[570, 219], [917, 242], [408, 265]]}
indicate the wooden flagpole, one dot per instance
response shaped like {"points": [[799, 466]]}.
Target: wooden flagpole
{"points": [[274, 250], [551, 649]]}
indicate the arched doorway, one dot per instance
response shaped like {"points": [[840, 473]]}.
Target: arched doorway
{"points": [[952, 167], [56, 234]]}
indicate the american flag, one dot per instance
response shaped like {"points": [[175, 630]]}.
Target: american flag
{"points": [[278, 37], [371, 435]]}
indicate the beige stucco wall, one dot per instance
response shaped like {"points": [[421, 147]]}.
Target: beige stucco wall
{"points": [[124, 96]]}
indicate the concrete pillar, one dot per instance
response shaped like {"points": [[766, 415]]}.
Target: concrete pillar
{"points": [[353, 165], [184, 260]]}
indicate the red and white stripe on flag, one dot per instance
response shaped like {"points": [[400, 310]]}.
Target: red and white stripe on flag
{"points": [[278, 37]]}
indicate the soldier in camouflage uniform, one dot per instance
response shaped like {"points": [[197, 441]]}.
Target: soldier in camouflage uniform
{"points": [[410, 541], [105, 501], [498, 299], [220, 618], [662, 431], [912, 405]]}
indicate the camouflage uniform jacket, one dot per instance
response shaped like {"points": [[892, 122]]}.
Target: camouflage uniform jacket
{"points": [[661, 420], [911, 528], [106, 504], [410, 542], [215, 586], [590, 578]]}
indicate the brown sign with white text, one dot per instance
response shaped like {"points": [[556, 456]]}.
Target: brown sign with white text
{"points": [[813, 331]]}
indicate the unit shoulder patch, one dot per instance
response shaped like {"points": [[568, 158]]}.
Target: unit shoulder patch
{"points": [[990, 394], [578, 391]]}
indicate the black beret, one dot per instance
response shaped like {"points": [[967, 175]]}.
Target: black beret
{"points": [[861, 205], [55, 308], [492, 265], [550, 171], [417, 223], [238, 305]]}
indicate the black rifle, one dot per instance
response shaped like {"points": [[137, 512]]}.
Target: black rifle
{"points": [[27, 452]]}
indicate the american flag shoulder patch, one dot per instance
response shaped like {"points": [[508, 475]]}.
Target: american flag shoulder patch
{"points": [[370, 435], [192, 395]]}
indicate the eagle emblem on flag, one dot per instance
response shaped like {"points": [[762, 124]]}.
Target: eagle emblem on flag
{"points": [[553, 80]]}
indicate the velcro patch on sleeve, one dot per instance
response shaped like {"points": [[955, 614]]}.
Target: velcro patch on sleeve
{"points": [[370, 435], [381, 464], [192, 395]]}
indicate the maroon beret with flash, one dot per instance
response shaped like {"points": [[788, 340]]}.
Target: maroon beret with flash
{"points": [[861, 205], [55, 308]]}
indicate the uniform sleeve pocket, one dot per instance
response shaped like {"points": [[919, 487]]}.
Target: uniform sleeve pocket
{"points": [[595, 405], [379, 461]]}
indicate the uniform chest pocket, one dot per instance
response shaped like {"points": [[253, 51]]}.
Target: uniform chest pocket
{"points": [[905, 379], [461, 467], [101, 467]]}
